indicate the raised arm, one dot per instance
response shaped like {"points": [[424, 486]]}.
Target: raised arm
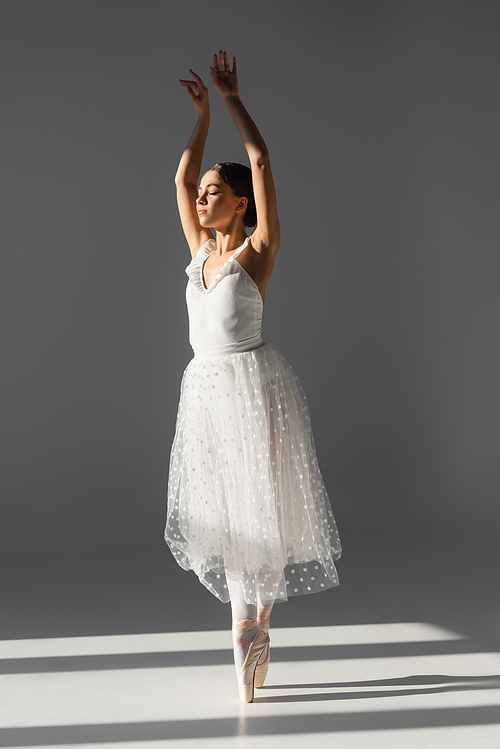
{"points": [[188, 171], [266, 235]]}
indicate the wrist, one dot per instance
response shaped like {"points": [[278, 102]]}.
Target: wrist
{"points": [[204, 118], [231, 99]]}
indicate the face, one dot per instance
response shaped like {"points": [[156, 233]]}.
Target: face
{"points": [[217, 205]]}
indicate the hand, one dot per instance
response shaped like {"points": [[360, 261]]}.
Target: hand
{"points": [[224, 80], [198, 93]]}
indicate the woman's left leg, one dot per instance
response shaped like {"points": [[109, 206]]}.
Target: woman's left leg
{"points": [[245, 622], [263, 617]]}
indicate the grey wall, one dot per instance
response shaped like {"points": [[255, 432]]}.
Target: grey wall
{"points": [[382, 119]]}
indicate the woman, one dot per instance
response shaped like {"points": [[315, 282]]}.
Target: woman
{"points": [[247, 506]]}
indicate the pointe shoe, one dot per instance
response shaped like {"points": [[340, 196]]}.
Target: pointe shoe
{"points": [[263, 616], [246, 677], [261, 669]]}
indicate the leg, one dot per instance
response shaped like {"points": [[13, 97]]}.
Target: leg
{"points": [[245, 623], [248, 640], [263, 617], [265, 609]]}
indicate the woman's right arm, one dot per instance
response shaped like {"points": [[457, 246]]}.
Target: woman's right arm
{"points": [[188, 171]]}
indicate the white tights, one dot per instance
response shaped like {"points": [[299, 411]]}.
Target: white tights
{"points": [[247, 621]]}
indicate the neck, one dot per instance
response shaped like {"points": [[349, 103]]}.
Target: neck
{"points": [[229, 241]]}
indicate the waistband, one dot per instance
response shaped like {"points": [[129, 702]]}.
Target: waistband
{"points": [[237, 347]]}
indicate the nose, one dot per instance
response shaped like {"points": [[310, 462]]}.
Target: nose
{"points": [[201, 199]]}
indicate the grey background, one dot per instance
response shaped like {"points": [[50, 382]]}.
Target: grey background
{"points": [[382, 120]]}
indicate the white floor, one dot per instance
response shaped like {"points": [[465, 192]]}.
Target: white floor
{"points": [[382, 685]]}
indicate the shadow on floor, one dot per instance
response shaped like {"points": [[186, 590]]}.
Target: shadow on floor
{"points": [[453, 684], [249, 726], [193, 658]]}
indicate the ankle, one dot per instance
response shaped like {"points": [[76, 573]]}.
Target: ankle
{"points": [[244, 625], [244, 631], [263, 617]]}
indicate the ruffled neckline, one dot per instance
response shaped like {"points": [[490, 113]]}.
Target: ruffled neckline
{"points": [[195, 267]]}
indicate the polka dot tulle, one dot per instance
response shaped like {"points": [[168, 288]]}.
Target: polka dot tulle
{"points": [[246, 497]]}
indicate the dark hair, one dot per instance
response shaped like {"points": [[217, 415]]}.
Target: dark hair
{"points": [[239, 179]]}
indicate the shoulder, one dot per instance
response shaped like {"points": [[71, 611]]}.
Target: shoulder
{"points": [[265, 243], [202, 238], [258, 265], [205, 249], [263, 247]]}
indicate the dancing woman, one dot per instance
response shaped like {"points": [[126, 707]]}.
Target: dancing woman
{"points": [[247, 507]]}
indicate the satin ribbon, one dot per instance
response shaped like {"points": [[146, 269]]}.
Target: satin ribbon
{"points": [[263, 617], [243, 625]]}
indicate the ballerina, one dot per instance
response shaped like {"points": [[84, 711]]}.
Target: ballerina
{"points": [[247, 507]]}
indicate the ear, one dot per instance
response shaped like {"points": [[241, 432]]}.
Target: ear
{"points": [[242, 205]]}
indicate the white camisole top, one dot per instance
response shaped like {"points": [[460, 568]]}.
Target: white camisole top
{"points": [[226, 317]]}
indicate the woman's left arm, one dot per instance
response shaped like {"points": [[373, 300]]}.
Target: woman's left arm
{"points": [[266, 235]]}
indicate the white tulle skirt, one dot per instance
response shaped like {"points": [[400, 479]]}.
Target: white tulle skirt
{"points": [[246, 498]]}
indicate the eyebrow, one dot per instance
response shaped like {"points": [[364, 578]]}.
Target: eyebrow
{"points": [[210, 184]]}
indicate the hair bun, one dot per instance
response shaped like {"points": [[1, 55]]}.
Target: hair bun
{"points": [[239, 179]]}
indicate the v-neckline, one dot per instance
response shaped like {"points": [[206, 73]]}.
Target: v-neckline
{"points": [[224, 264]]}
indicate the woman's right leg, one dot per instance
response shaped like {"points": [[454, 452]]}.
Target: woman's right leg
{"points": [[248, 639], [245, 622]]}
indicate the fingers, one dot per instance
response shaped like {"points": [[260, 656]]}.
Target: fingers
{"points": [[196, 77], [194, 88], [188, 86], [221, 63]]}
